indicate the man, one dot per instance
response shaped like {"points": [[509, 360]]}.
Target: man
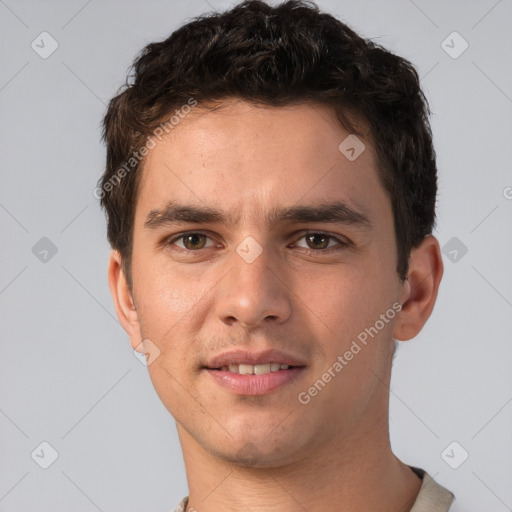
{"points": [[270, 192]]}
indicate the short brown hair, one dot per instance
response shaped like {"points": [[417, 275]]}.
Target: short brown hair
{"points": [[276, 55]]}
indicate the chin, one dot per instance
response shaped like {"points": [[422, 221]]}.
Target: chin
{"points": [[258, 454]]}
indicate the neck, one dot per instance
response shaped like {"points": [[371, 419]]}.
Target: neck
{"points": [[355, 472]]}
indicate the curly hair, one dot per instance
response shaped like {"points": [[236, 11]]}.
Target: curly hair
{"points": [[276, 56]]}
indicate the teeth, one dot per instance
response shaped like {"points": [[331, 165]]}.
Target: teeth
{"points": [[246, 369], [261, 369], [254, 369]]}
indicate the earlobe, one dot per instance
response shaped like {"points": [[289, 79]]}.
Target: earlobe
{"points": [[420, 289], [123, 299]]}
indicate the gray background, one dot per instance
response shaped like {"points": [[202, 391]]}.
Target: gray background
{"points": [[68, 375]]}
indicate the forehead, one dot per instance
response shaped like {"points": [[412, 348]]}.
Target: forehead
{"points": [[245, 159]]}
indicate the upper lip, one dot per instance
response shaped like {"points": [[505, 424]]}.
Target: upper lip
{"points": [[247, 357]]}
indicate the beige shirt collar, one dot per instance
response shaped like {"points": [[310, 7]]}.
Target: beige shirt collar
{"points": [[431, 498]]}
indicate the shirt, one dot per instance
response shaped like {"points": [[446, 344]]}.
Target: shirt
{"points": [[431, 498]]}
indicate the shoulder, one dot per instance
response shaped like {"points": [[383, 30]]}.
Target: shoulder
{"points": [[182, 505], [432, 497]]}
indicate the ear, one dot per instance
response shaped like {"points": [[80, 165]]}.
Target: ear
{"points": [[420, 289], [123, 300]]}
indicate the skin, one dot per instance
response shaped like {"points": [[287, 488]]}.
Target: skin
{"points": [[271, 452]]}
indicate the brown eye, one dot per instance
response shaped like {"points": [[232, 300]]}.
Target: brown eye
{"points": [[194, 241], [317, 241], [321, 242]]}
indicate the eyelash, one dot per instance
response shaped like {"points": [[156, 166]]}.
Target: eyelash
{"points": [[341, 244]]}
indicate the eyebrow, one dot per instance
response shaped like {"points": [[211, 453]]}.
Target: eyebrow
{"points": [[330, 212]]}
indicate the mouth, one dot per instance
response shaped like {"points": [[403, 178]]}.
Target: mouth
{"points": [[253, 384], [247, 362], [243, 372], [254, 369]]}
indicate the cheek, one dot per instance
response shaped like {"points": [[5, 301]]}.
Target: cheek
{"points": [[331, 303], [340, 298], [164, 299], [346, 305]]}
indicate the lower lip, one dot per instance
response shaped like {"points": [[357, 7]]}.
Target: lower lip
{"points": [[253, 385]]}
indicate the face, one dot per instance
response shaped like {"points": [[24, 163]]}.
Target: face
{"points": [[273, 266]]}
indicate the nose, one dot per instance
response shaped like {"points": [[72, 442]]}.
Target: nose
{"points": [[254, 293]]}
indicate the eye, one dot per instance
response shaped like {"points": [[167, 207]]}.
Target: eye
{"points": [[191, 241], [321, 242]]}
